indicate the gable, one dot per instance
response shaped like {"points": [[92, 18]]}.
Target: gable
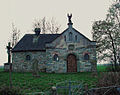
{"points": [[70, 35], [76, 36]]}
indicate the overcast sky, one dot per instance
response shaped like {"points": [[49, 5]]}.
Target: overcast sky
{"points": [[23, 12]]}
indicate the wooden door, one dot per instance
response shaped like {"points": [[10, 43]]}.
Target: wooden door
{"points": [[71, 63]]}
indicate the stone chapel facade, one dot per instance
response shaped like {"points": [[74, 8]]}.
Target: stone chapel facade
{"points": [[69, 51]]}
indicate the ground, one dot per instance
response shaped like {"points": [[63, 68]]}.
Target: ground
{"points": [[28, 83]]}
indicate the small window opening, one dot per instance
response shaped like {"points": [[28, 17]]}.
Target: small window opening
{"points": [[65, 38], [86, 56], [55, 57], [28, 57], [75, 37], [70, 36]]}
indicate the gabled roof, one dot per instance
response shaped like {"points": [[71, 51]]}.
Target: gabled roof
{"points": [[81, 34], [77, 32], [26, 43]]}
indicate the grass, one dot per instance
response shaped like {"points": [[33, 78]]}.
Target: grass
{"points": [[29, 84], [1, 69], [101, 68]]}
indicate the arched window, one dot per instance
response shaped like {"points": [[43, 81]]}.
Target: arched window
{"points": [[28, 57], [65, 38], [75, 37], [55, 57], [70, 36], [86, 56]]}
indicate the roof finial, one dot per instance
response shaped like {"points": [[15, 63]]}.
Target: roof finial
{"points": [[69, 19]]}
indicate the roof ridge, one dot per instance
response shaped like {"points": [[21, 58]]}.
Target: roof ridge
{"points": [[82, 34], [43, 34]]}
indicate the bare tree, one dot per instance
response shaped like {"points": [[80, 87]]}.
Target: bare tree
{"points": [[15, 35], [13, 40], [107, 35], [47, 26]]}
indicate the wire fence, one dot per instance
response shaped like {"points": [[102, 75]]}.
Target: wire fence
{"points": [[77, 88], [69, 88], [63, 88]]}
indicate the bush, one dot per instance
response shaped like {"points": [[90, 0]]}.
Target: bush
{"points": [[106, 79], [112, 91], [109, 79], [112, 69], [5, 90]]}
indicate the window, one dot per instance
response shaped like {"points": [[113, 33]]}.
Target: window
{"points": [[86, 56], [55, 57], [71, 47], [70, 36], [65, 38], [75, 37], [28, 57]]}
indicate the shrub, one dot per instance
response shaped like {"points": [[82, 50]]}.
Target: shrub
{"points": [[110, 68], [108, 79]]}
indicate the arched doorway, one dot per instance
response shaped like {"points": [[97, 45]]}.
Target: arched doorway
{"points": [[71, 63]]}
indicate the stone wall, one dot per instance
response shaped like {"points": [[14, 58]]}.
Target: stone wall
{"points": [[61, 65], [45, 60], [78, 48], [20, 64], [56, 66]]}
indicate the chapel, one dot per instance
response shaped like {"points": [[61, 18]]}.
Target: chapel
{"points": [[67, 52]]}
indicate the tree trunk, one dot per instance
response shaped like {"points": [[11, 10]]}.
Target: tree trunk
{"points": [[114, 53]]}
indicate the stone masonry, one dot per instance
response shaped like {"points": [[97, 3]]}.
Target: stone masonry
{"points": [[50, 52]]}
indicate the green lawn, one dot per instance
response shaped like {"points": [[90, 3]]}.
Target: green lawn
{"points": [[28, 83], [101, 68]]}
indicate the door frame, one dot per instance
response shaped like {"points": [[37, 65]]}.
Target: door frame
{"points": [[75, 61]]}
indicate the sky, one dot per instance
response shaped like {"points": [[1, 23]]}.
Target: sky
{"points": [[23, 13]]}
